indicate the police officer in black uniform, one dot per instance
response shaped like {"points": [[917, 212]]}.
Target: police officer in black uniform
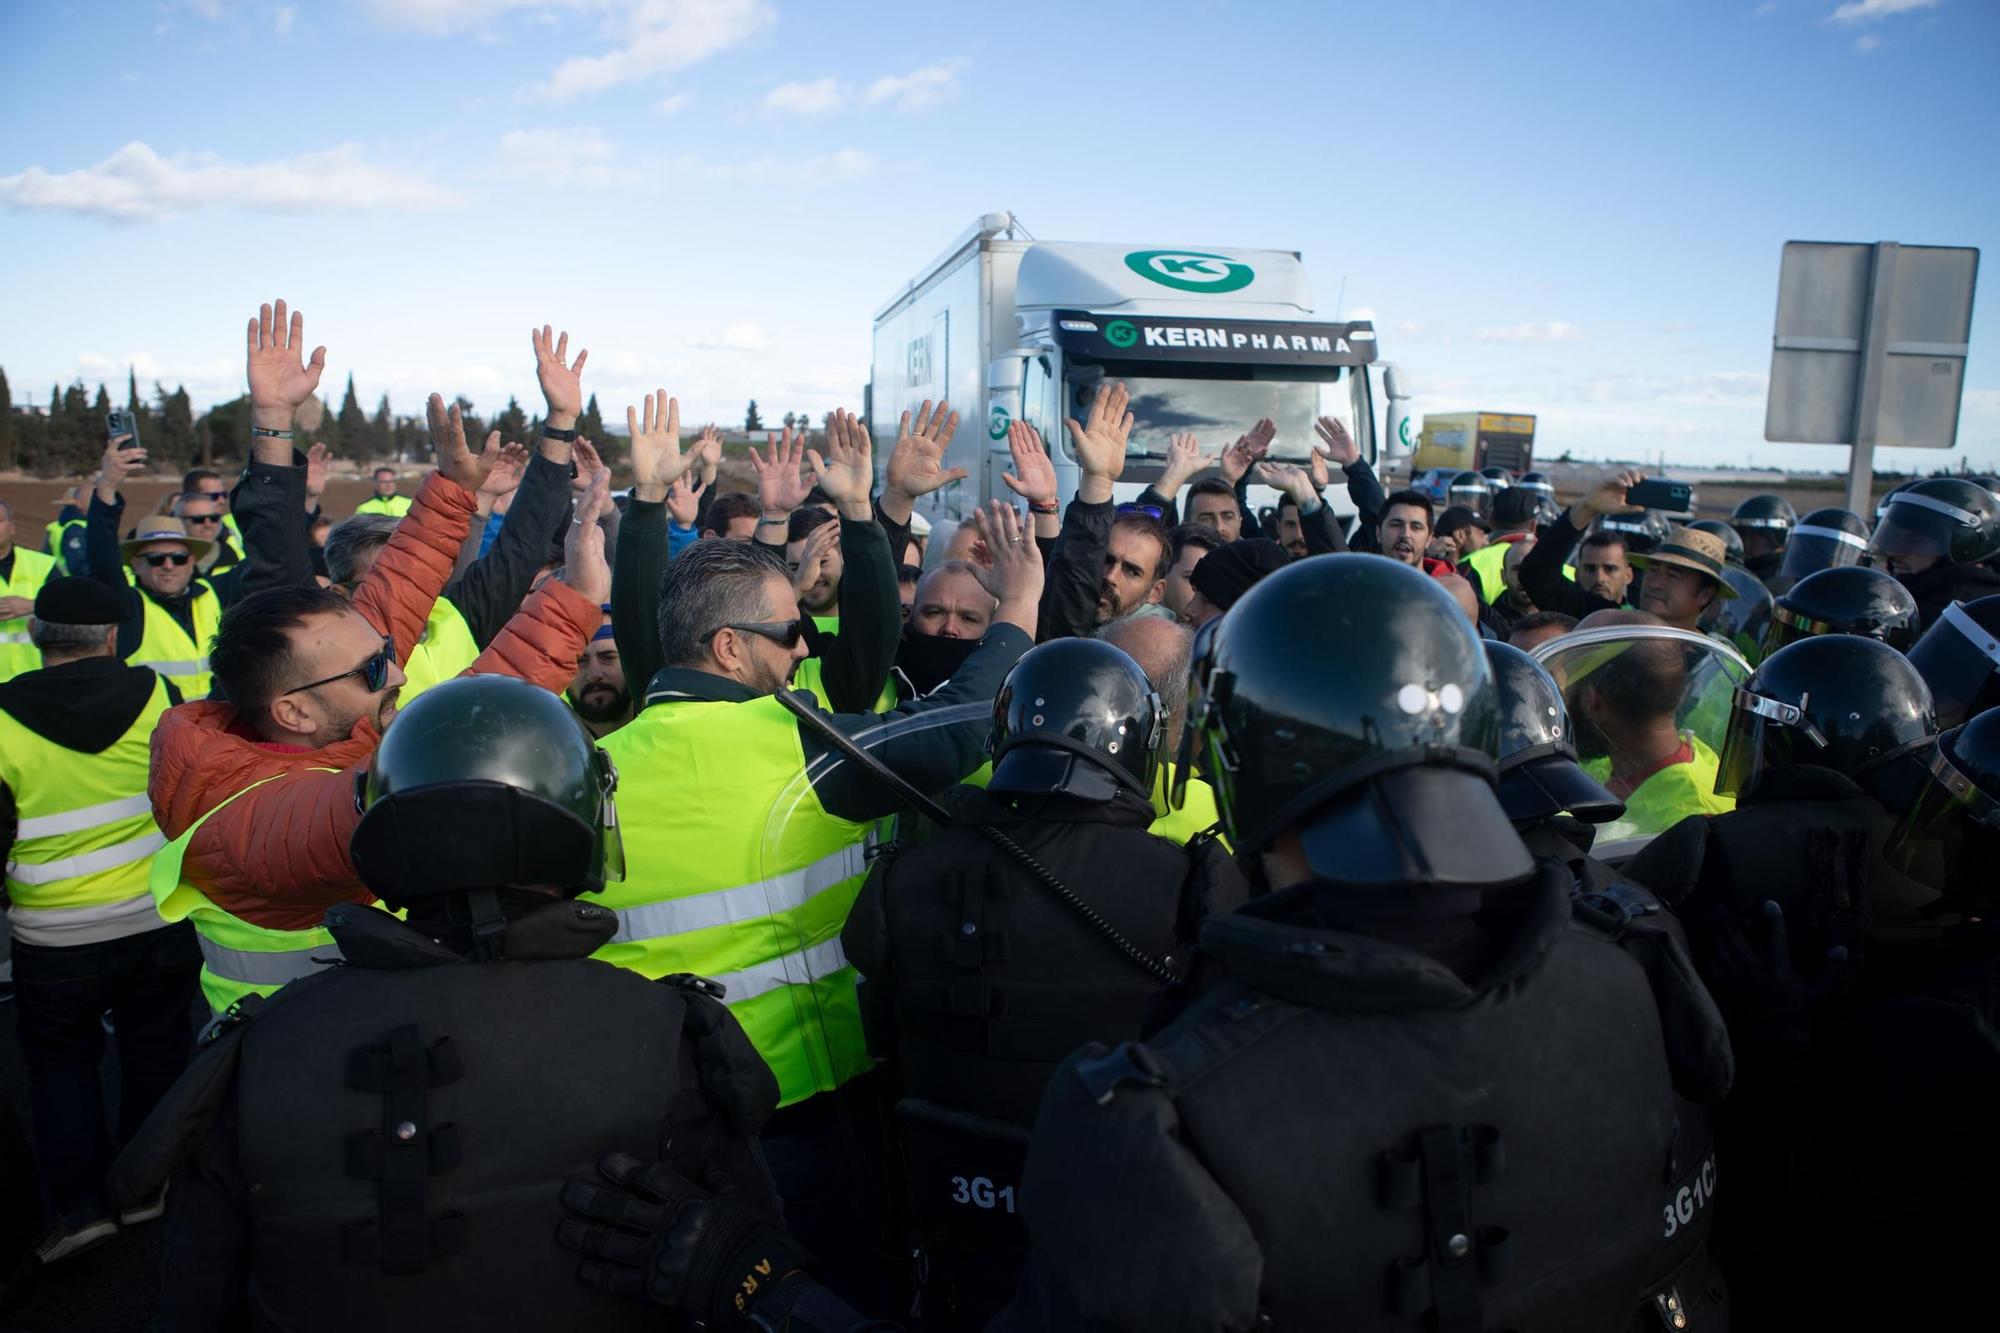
{"points": [[1934, 536], [1390, 1073], [383, 1144], [1824, 539], [1824, 740], [1959, 658], [983, 970], [1845, 599], [1765, 524], [1553, 804]]}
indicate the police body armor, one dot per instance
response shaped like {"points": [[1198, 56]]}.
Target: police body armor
{"points": [[404, 1124], [1431, 1203]]}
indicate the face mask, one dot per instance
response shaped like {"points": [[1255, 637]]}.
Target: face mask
{"points": [[929, 660]]}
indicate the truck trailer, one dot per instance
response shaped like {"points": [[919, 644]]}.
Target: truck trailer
{"points": [[1207, 339], [1469, 441]]}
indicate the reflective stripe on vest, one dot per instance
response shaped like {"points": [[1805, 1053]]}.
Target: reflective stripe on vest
{"points": [[238, 958], [84, 826], [167, 649], [17, 651], [749, 882]]}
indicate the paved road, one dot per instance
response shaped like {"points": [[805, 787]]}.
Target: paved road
{"points": [[112, 1288]]}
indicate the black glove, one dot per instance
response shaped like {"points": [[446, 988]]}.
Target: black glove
{"points": [[673, 1242], [1774, 1007]]}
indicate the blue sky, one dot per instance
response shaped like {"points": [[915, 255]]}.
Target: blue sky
{"points": [[1572, 209]]}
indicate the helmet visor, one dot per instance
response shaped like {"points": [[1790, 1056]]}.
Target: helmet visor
{"points": [[1932, 836], [1960, 660], [1919, 525], [1763, 733], [1789, 627], [1813, 548]]}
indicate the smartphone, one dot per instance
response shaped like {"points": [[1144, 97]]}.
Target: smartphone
{"points": [[1672, 497], [119, 422]]}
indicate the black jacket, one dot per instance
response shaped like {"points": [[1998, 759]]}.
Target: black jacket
{"points": [[978, 980], [1279, 1151], [386, 1142], [1541, 573], [489, 590], [1941, 585]]}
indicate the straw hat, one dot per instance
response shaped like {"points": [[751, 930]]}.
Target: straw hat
{"points": [[164, 528], [1690, 548]]}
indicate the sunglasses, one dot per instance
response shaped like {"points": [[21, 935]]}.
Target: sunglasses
{"points": [[374, 672], [785, 633], [1154, 512], [177, 559], [211, 495], [201, 518]]}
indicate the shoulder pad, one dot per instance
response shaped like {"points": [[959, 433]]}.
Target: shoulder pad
{"points": [[688, 981], [1130, 1063], [1614, 906]]}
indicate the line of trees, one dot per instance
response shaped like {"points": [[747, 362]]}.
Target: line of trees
{"points": [[67, 439]]}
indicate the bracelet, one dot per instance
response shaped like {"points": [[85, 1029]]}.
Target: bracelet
{"points": [[270, 434], [551, 433], [1052, 507], [762, 521]]}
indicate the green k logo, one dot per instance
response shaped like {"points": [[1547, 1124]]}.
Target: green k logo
{"points": [[1191, 270], [996, 424], [1119, 333]]}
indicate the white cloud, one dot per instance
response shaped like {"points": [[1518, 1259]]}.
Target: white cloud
{"points": [[824, 169], [1553, 331], [674, 103], [815, 98], [282, 19], [1360, 312], [136, 184], [1867, 42], [565, 157], [658, 37], [445, 16], [1873, 11], [918, 89], [1722, 388], [583, 157], [1765, 10], [742, 336], [1982, 402], [207, 382], [208, 9]]}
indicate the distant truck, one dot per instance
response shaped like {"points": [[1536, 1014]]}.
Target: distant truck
{"points": [[1208, 339], [1469, 441]]}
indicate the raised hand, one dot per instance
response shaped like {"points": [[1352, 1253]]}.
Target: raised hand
{"points": [[120, 460], [819, 542], [781, 487], [505, 476], [1608, 496], [916, 465], [588, 464], [657, 458], [1016, 575], [1250, 447], [562, 382], [584, 566], [1100, 440], [1184, 460], [709, 449], [454, 459], [1340, 445], [1034, 476], [279, 381], [1288, 478], [684, 500], [847, 471], [319, 460]]}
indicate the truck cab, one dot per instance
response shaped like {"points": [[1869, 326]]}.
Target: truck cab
{"points": [[1207, 339]]}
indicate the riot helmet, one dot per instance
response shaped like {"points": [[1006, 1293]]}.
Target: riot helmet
{"points": [[1538, 485], [1882, 505], [1539, 773], [1771, 514], [1385, 770], [1497, 477], [1643, 533], [486, 782], [1824, 539], [1837, 701], [1850, 599], [1959, 658], [1943, 519], [1951, 834], [1743, 619], [1469, 490], [1732, 541], [1077, 717]]}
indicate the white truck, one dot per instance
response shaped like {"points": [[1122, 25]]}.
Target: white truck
{"points": [[1207, 339]]}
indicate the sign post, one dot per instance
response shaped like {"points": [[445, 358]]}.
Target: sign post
{"points": [[1869, 349]]}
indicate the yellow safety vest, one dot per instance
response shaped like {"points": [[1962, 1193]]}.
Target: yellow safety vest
{"points": [[1668, 796], [446, 648], [17, 651], [1197, 810], [810, 674], [710, 889], [56, 533], [1486, 565], [167, 649], [395, 506], [85, 837], [237, 958]]}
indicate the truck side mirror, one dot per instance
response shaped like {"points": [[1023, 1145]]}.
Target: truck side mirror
{"points": [[1392, 383]]}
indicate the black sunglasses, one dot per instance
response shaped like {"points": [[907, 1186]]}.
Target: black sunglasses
{"points": [[785, 633], [176, 559], [201, 518], [1152, 511], [374, 672], [212, 495]]}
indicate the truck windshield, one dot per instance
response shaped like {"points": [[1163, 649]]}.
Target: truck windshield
{"points": [[1216, 410]]}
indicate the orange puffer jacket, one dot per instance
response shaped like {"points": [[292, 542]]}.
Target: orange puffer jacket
{"points": [[277, 857]]}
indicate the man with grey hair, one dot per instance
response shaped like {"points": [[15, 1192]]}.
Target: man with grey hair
{"points": [[949, 616], [1162, 649], [77, 837], [744, 842]]}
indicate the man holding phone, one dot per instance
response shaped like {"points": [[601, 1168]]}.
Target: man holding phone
{"points": [[1680, 578]]}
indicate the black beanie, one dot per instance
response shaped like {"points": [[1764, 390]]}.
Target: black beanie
{"points": [[1224, 575], [79, 601]]}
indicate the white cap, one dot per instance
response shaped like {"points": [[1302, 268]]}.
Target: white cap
{"points": [[919, 525]]}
